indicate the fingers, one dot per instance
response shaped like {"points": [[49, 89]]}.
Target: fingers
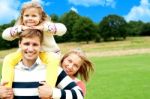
{"points": [[42, 83], [26, 27], [6, 93], [40, 27], [4, 83]]}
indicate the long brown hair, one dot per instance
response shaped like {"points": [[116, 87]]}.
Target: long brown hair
{"points": [[86, 66], [32, 4]]}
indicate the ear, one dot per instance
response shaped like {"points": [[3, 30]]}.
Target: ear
{"points": [[40, 48], [19, 44]]}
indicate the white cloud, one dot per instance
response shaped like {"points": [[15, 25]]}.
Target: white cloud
{"points": [[88, 3], [111, 3], [141, 12], [8, 10], [74, 9], [42, 2]]}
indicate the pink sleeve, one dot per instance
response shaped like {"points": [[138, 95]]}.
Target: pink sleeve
{"points": [[82, 86]]}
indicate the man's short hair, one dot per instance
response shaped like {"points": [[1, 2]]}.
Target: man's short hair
{"points": [[29, 33]]}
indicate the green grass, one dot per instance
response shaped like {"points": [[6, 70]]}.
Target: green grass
{"points": [[122, 77]]}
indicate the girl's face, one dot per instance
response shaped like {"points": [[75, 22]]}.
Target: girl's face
{"points": [[31, 17], [71, 64]]}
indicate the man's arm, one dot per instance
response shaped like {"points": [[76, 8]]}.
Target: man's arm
{"points": [[66, 88]]}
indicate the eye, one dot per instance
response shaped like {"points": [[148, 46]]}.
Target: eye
{"points": [[69, 60], [27, 43], [26, 15], [33, 15], [75, 65], [35, 44]]}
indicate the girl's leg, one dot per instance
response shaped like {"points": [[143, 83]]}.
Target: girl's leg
{"points": [[52, 63], [8, 67]]}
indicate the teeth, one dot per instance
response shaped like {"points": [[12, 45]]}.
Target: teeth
{"points": [[29, 53]]}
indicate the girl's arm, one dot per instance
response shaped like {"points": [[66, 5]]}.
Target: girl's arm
{"points": [[55, 28], [66, 88], [82, 86], [11, 33]]}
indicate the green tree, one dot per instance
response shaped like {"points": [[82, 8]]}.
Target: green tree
{"points": [[7, 44], [145, 29], [84, 30], [134, 28], [69, 19], [54, 18], [112, 26]]}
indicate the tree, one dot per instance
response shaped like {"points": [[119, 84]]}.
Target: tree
{"points": [[134, 28], [7, 44], [112, 26], [84, 30], [54, 18], [69, 19], [145, 29]]}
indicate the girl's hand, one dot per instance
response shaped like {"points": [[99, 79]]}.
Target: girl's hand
{"points": [[39, 27], [25, 27]]}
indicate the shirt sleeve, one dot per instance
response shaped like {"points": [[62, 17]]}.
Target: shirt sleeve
{"points": [[66, 88], [11, 33], [55, 28], [82, 86]]}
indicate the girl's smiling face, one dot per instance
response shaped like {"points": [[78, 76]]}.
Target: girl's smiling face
{"points": [[31, 17], [71, 64]]}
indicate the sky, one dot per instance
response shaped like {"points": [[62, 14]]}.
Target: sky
{"points": [[96, 10]]}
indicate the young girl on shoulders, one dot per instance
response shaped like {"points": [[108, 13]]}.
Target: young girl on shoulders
{"points": [[32, 16]]}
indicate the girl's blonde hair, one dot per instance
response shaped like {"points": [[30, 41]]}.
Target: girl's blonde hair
{"points": [[86, 66], [32, 4]]}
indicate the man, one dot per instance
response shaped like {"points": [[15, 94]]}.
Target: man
{"points": [[30, 74]]}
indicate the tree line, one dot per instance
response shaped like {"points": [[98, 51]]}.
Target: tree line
{"points": [[83, 29]]}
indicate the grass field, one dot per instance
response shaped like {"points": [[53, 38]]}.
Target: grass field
{"points": [[115, 77], [129, 43], [122, 77]]}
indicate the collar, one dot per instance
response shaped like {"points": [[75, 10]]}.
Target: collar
{"points": [[24, 67]]}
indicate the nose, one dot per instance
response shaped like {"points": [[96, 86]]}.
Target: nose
{"points": [[30, 48], [70, 65], [30, 18]]}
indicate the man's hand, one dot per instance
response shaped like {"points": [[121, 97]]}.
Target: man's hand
{"points": [[6, 93], [45, 91]]}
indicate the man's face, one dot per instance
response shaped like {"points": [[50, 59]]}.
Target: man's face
{"points": [[30, 48]]}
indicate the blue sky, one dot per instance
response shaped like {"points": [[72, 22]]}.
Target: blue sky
{"points": [[94, 9]]}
